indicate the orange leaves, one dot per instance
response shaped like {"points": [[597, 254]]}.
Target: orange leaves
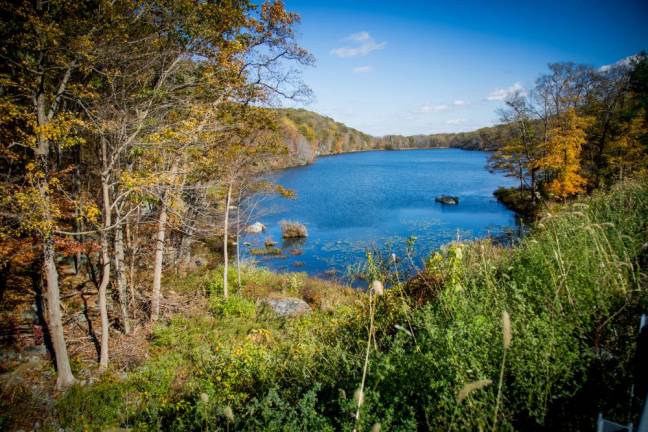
{"points": [[562, 160], [68, 246], [274, 12], [19, 252]]}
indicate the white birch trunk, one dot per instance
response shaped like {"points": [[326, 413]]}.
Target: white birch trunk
{"points": [[226, 229]]}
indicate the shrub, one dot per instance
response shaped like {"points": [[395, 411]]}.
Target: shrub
{"points": [[233, 306], [291, 230], [517, 200]]}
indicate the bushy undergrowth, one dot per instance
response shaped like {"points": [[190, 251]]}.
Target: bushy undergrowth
{"points": [[573, 290]]}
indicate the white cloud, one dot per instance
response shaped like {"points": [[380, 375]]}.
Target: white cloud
{"points": [[361, 44], [501, 94], [459, 102], [359, 37], [362, 69], [455, 121], [429, 108]]}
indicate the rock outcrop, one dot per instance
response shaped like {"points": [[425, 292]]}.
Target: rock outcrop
{"points": [[288, 307]]}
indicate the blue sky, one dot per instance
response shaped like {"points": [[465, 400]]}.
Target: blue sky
{"points": [[409, 67]]}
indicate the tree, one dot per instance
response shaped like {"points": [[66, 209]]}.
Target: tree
{"points": [[562, 159], [47, 50], [518, 155], [625, 154]]}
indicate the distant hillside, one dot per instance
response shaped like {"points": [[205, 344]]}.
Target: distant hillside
{"points": [[308, 135]]}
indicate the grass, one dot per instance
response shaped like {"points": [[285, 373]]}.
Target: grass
{"points": [[268, 250], [539, 336]]}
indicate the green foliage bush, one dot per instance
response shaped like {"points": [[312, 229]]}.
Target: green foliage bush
{"points": [[233, 306]]}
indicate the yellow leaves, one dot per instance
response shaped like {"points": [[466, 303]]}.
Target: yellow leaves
{"points": [[31, 211], [563, 152], [285, 192], [63, 130], [91, 212]]}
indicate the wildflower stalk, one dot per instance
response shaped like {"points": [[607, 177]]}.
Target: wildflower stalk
{"points": [[377, 288], [506, 342]]}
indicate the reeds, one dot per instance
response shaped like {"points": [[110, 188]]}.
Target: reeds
{"points": [[471, 387], [506, 344]]}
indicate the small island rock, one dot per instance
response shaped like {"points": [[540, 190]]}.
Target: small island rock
{"points": [[447, 199]]}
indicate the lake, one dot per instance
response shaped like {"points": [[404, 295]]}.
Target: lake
{"points": [[357, 201]]}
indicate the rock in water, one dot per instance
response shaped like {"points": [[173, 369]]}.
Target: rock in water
{"points": [[255, 228], [447, 199], [288, 307]]}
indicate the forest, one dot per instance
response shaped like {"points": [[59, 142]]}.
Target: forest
{"points": [[136, 140]]}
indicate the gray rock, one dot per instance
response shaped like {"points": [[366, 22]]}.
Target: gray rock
{"points": [[8, 355], [255, 228], [288, 307], [29, 315], [447, 199], [35, 353]]}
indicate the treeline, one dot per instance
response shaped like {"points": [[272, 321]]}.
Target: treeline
{"points": [[307, 135], [128, 130], [579, 128], [484, 139]]}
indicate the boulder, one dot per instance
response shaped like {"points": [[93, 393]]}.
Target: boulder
{"points": [[288, 307], [255, 228], [447, 199]]}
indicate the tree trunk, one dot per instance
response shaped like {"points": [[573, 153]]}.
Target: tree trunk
{"points": [[157, 268], [132, 237], [78, 207], [226, 229], [185, 251], [65, 377], [238, 243], [159, 248], [534, 188], [122, 284], [105, 275]]}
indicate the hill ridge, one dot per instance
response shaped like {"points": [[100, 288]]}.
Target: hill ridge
{"points": [[307, 134]]}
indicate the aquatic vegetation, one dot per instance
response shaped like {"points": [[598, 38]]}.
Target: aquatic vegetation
{"points": [[293, 230], [268, 250]]}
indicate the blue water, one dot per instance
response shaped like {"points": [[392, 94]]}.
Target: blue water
{"points": [[356, 201]]}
